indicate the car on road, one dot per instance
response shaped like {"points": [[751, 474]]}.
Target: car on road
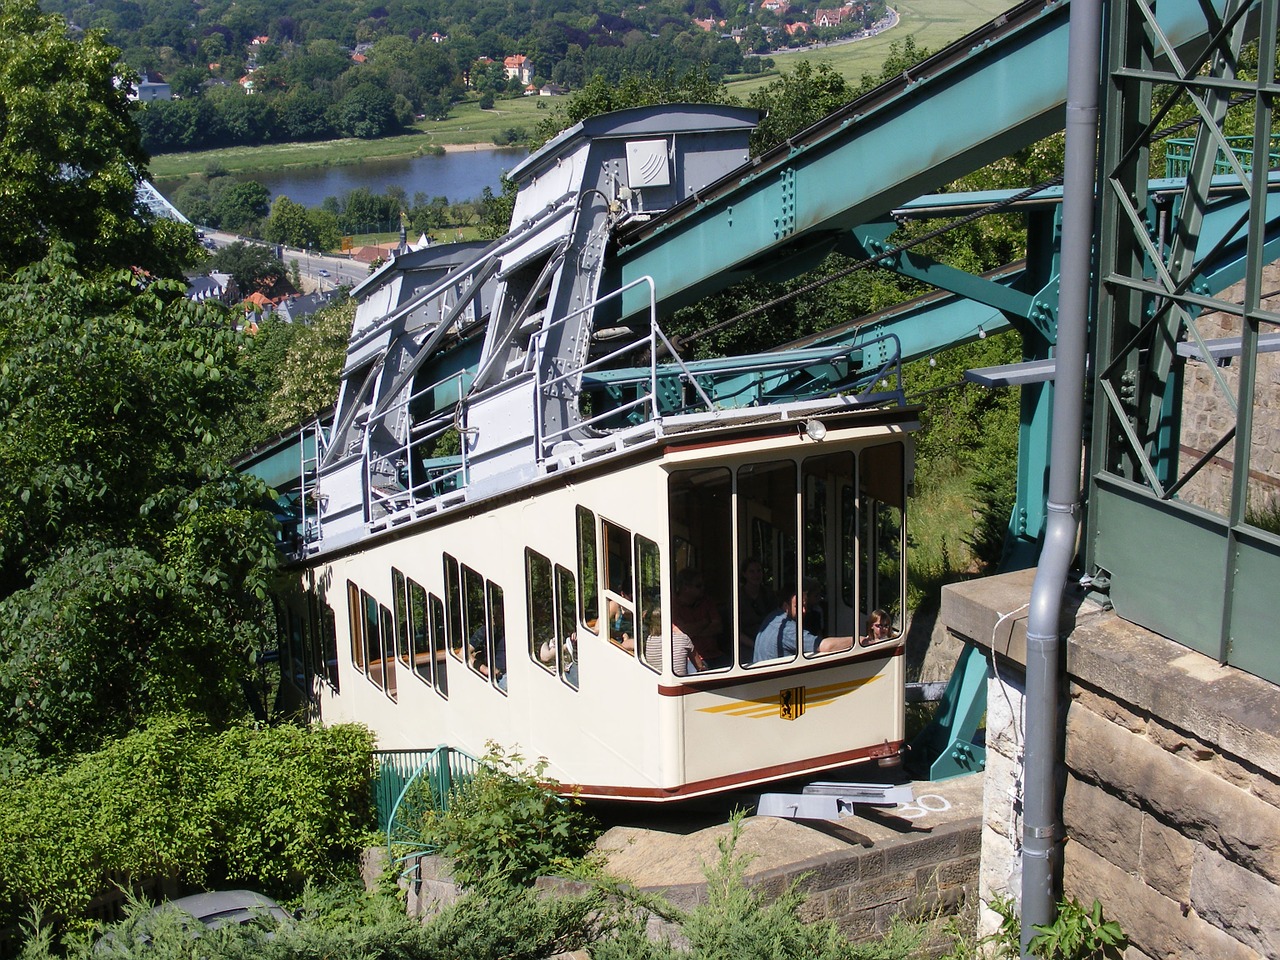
{"points": [[324, 273]]}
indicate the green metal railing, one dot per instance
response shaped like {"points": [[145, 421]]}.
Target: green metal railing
{"points": [[410, 784], [439, 768], [1178, 152]]}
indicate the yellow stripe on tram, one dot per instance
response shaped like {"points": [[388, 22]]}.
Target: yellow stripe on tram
{"points": [[812, 697]]}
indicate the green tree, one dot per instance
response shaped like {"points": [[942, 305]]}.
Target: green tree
{"points": [[307, 377], [368, 111], [133, 565], [795, 100], [253, 267], [496, 210], [240, 204], [70, 154], [289, 224]]}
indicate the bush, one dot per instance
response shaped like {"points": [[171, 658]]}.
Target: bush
{"points": [[266, 808], [509, 824]]}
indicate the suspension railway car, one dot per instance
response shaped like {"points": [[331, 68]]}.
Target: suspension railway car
{"points": [[523, 480]]}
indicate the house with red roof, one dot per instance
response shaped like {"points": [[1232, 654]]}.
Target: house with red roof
{"points": [[831, 18], [518, 67]]}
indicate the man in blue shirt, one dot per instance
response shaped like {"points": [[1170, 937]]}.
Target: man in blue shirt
{"points": [[777, 638]]}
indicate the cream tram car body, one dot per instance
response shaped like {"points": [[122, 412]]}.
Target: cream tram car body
{"points": [[531, 522]]}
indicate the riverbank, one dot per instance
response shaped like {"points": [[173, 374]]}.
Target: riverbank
{"points": [[466, 128]]}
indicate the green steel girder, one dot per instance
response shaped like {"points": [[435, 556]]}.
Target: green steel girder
{"points": [[955, 117], [870, 241], [931, 324]]}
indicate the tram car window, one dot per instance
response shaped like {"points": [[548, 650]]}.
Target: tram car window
{"points": [[589, 613], [620, 589], [497, 635], [418, 635], [700, 504], [567, 626], [826, 611], [880, 490], [400, 611], [453, 606], [354, 616], [326, 634], [649, 612], [386, 637], [372, 640], [475, 627], [540, 601], [438, 644], [426, 666]]}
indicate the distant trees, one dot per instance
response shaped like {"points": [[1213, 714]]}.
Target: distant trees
{"points": [[308, 82], [253, 266], [70, 156], [368, 111], [221, 201], [293, 224], [241, 204]]}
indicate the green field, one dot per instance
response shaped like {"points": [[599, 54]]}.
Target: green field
{"points": [[932, 23]]}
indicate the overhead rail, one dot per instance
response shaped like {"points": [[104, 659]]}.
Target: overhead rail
{"points": [[993, 92]]}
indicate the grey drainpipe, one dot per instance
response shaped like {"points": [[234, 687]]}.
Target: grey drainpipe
{"points": [[1040, 830]]}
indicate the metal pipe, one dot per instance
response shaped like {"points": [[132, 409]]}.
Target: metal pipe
{"points": [[1040, 846]]}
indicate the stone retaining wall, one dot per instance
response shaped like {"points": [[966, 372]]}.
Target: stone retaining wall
{"points": [[860, 889], [1170, 780]]}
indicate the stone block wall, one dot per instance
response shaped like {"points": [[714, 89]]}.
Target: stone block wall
{"points": [[860, 889], [1172, 798], [1001, 868], [1170, 781]]}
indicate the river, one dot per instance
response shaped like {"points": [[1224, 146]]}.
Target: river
{"points": [[460, 174]]}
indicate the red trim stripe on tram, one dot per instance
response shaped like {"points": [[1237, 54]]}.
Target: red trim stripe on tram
{"points": [[748, 778]]}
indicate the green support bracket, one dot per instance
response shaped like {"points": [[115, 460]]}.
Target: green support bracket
{"points": [[945, 748]]}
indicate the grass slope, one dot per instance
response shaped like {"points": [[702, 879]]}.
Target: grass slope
{"points": [[931, 23]]}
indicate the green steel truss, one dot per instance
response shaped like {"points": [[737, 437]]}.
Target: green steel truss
{"points": [[1180, 493]]}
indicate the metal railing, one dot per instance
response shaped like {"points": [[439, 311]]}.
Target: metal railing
{"points": [[402, 489], [1178, 154], [545, 439], [411, 783], [310, 499]]}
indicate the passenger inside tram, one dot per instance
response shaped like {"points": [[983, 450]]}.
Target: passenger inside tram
{"points": [[778, 637], [696, 614], [755, 604], [621, 625], [879, 628]]}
